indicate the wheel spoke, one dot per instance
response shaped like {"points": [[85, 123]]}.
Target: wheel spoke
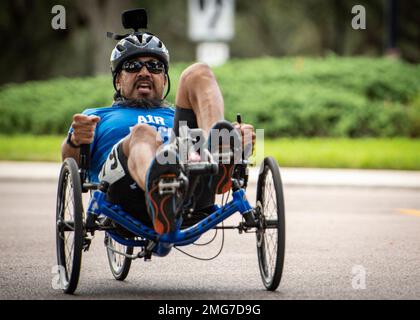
{"points": [[68, 225], [117, 258], [69, 253]]}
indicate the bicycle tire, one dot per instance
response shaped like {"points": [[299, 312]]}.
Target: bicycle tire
{"points": [[271, 230], [69, 200], [119, 265]]}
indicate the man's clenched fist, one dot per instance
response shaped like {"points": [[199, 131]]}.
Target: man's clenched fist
{"points": [[248, 137], [84, 128]]}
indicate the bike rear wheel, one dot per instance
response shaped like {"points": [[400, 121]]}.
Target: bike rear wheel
{"points": [[271, 230], [69, 226], [119, 264]]}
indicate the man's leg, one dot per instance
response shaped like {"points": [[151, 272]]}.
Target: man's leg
{"points": [[140, 149], [198, 90], [199, 94], [127, 166], [143, 164]]}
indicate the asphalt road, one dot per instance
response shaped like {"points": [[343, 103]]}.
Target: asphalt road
{"points": [[342, 243]]}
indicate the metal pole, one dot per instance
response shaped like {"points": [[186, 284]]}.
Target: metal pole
{"points": [[391, 16]]}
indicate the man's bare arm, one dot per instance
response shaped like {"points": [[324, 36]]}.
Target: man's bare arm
{"points": [[69, 152], [83, 133]]}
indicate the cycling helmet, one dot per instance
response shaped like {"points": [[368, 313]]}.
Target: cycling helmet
{"points": [[135, 45]]}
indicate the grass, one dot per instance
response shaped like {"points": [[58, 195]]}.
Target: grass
{"points": [[397, 153], [367, 153], [30, 148]]}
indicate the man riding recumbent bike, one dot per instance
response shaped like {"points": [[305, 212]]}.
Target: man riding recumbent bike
{"points": [[150, 193], [76, 227]]}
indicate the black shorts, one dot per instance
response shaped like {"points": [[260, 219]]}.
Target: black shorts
{"points": [[124, 191]]}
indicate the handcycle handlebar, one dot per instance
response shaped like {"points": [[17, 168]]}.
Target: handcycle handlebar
{"points": [[84, 164], [85, 156]]}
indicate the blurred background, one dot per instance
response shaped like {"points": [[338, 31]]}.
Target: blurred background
{"points": [[297, 69], [262, 28]]}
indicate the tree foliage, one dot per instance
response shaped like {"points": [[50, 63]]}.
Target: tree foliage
{"points": [[263, 28], [339, 97]]}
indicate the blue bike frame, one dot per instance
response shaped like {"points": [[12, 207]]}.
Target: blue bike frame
{"points": [[100, 206]]}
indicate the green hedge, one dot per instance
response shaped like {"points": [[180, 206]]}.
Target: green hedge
{"points": [[346, 97]]}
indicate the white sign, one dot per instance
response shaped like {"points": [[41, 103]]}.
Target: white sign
{"points": [[213, 53], [211, 20]]}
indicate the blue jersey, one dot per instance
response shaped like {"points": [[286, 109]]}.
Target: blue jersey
{"points": [[115, 124]]}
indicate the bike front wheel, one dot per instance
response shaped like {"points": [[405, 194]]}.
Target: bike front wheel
{"points": [[69, 226], [271, 230]]}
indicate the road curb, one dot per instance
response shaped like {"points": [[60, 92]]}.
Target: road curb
{"points": [[310, 177]]}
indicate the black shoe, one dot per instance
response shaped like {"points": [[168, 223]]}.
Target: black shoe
{"points": [[165, 190], [224, 155]]}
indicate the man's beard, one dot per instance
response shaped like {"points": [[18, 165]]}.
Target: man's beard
{"points": [[139, 103]]}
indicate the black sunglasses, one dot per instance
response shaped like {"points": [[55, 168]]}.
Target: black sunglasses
{"points": [[152, 66]]}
